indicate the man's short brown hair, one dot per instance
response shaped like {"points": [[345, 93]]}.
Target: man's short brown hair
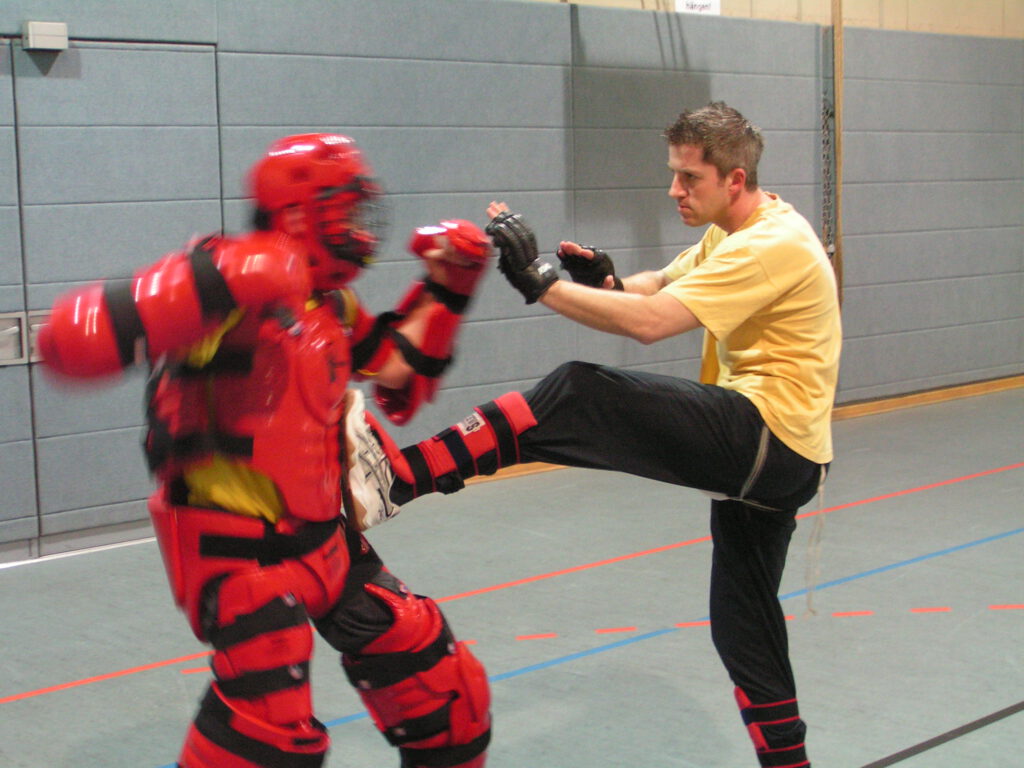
{"points": [[727, 138]]}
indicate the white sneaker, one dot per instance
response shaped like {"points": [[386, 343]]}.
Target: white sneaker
{"points": [[370, 475]]}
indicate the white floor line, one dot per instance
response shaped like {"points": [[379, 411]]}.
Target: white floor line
{"points": [[74, 553]]}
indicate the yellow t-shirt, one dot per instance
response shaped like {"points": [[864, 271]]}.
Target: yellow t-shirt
{"points": [[766, 296]]}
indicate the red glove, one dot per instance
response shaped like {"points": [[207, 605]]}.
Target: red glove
{"points": [[456, 252]]}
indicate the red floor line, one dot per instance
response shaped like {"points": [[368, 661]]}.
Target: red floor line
{"points": [[1006, 607], [574, 569], [908, 491], [539, 577], [541, 636], [933, 609], [845, 614], [108, 676], [609, 630]]}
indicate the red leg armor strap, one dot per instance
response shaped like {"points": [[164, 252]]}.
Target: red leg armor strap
{"points": [[776, 730]]}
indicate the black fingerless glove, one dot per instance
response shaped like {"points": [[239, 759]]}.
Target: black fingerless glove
{"points": [[518, 261], [590, 272]]}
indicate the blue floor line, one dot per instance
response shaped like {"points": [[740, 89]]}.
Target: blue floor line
{"points": [[658, 633]]}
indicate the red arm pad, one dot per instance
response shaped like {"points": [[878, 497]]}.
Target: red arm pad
{"points": [[78, 340], [171, 304]]}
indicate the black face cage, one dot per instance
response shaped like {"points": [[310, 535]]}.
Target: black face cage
{"points": [[348, 229]]}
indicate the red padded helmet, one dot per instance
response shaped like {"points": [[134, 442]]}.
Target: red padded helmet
{"points": [[318, 187]]}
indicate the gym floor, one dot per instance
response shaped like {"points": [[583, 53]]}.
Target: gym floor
{"points": [[585, 595]]}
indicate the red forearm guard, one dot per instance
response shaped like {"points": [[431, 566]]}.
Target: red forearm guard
{"points": [[452, 278], [428, 362], [372, 341]]}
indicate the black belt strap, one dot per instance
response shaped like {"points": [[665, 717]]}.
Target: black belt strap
{"points": [[423, 479], [272, 548], [770, 713], [365, 348], [203, 443]]}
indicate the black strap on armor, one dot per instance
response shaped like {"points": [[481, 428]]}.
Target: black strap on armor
{"points": [[423, 480], [380, 671], [445, 757], [505, 437], [455, 302], [419, 728], [253, 685], [215, 299], [214, 722], [456, 446], [364, 350], [431, 367], [202, 443], [124, 315], [273, 547], [224, 360], [277, 614]]}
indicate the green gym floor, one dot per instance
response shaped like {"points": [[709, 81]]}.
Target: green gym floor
{"points": [[585, 595]]}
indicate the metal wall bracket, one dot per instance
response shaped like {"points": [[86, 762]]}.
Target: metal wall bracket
{"points": [[36, 320], [13, 338]]}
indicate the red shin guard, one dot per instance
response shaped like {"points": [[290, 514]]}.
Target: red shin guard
{"points": [[480, 444], [222, 737], [427, 693], [776, 730]]}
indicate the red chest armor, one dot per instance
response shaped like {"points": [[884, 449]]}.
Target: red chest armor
{"points": [[272, 398]]}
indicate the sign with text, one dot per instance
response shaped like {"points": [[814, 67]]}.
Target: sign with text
{"points": [[708, 7]]}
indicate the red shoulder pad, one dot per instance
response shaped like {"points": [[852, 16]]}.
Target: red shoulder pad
{"points": [[263, 268]]}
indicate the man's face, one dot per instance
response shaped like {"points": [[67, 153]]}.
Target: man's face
{"points": [[701, 194]]}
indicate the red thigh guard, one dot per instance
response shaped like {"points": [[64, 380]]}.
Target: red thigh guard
{"points": [[199, 545], [426, 693], [259, 711], [263, 644]]}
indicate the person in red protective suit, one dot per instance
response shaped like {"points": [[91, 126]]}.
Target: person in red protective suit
{"points": [[253, 341]]}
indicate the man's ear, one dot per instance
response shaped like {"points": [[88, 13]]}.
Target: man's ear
{"points": [[737, 180]]}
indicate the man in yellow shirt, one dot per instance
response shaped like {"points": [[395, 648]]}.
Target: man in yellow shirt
{"points": [[754, 432]]}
